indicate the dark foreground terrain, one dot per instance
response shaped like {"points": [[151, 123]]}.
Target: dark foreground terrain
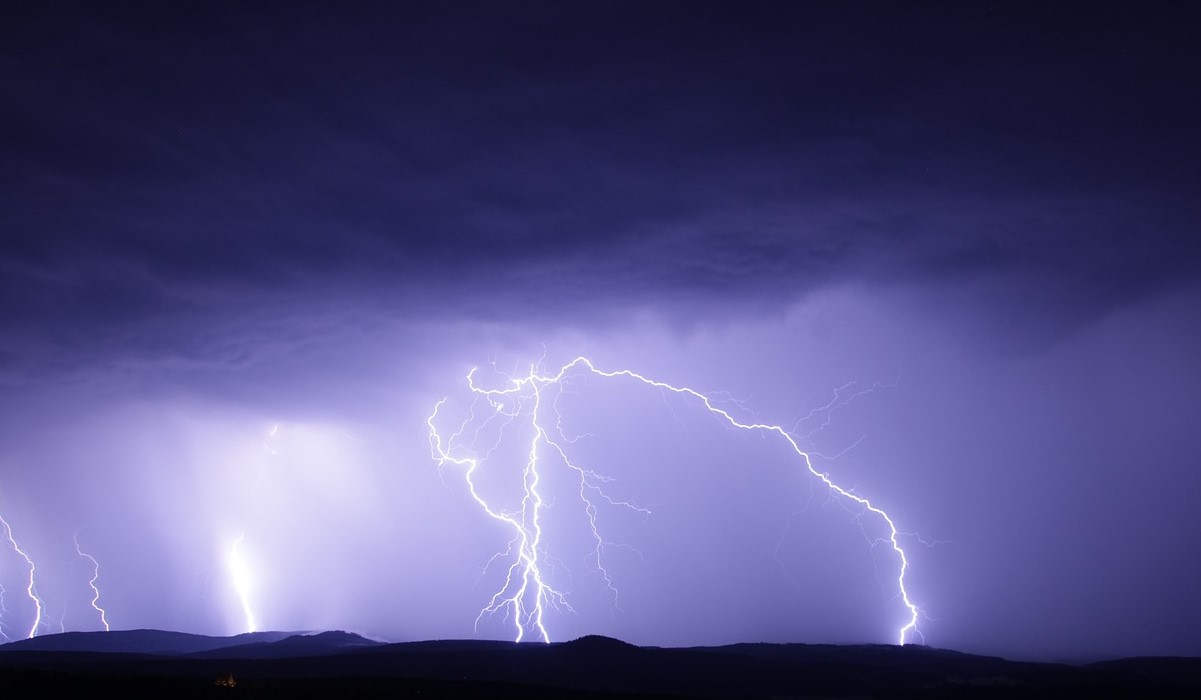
{"points": [[151, 663]]}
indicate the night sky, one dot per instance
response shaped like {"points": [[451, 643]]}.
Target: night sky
{"points": [[953, 248]]}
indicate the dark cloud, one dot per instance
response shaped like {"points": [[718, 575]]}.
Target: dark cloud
{"points": [[169, 167], [230, 145], [217, 216]]}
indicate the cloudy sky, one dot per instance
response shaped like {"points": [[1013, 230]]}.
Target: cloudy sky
{"points": [[952, 248]]}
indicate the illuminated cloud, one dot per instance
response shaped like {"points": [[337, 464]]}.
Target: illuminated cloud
{"points": [[218, 219]]}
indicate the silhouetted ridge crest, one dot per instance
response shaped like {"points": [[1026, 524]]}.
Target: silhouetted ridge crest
{"points": [[599, 643], [342, 664], [295, 645], [140, 641]]}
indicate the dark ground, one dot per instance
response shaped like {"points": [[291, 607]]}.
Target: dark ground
{"points": [[338, 665]]}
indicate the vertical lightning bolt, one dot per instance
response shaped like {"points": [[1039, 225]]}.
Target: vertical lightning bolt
{"points": [[3, 613], [526, 595], [31, 588], [239, 569], [92, 582], [241, 579]]}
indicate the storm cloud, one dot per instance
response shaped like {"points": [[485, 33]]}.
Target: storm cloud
{"points": [[218, 218]]}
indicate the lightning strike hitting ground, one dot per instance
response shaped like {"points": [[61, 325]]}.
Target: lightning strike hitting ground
{"points": [[525, 596], [239, 570], [241, 580], [31, 589], [3, 613], [92, 582]]}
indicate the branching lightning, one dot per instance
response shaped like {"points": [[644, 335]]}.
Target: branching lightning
{"points": [[526, 594], [92, 582], [31, 588]]}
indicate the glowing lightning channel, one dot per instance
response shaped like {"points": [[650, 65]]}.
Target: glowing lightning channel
{"points": [[241, 579], [525, 594], [239, 570], [92, 582], [31, 588], [3, 612]]}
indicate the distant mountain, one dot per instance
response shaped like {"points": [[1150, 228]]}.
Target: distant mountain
{"points": [[599, 643], [155, 642], [294, 646]]}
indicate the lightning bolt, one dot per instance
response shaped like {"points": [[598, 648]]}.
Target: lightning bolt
{"points": [[525, 596], [92, 582], [3, 613], [239, 570], [31, 588], [241, 580]]}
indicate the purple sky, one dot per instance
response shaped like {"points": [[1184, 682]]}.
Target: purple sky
{"points": [[217, 221]]}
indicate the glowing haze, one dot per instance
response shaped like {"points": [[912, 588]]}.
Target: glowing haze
{"points": [[889, 317]]}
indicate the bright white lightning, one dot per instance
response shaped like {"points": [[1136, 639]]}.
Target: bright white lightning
{"points": [[92, 582], [525, 594], [31, 588], [239, 570], [3, 612], [241, 580]]}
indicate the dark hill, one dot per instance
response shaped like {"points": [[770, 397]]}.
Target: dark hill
{"points": [[295, 646], [598, 643], [340, 664], [157, 642]]}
